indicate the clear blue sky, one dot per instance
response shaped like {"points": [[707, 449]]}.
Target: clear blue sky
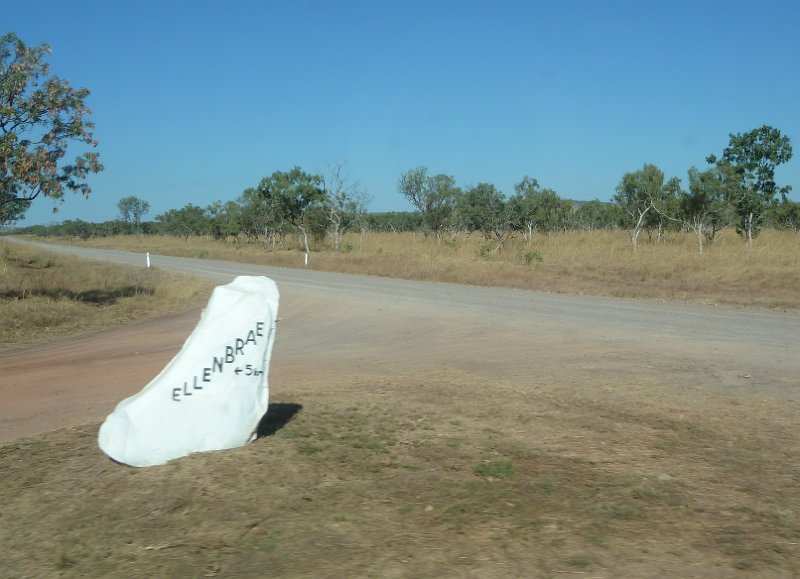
{"points": [[194, 101]]}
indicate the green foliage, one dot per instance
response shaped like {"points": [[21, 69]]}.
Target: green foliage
{"points": [[532, 208], [645, 200], [225, 219], [591, 215], [394, 221], [288, 196], [40, 116], [191, 220], [710, 193], [131, 211], [283, 199], [753, 156], [494, 468], [483, 208], [786, 215], [434, 197], [486, 250], [637, 191], [532, 256]]}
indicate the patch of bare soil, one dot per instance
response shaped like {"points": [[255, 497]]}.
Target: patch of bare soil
{"points": [[406, 442]]}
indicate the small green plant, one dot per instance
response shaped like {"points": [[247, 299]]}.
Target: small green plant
{"points": [[347, 247], [65, 562], [494, 468], [485, 251], [580, 561], [532, 256]]}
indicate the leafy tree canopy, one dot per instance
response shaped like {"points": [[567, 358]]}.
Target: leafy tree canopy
{"points": [[40, 116], [434, 197], [754, 155]]}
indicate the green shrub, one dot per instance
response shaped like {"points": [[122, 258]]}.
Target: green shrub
{"points": [[495, 468], [532, 256]]}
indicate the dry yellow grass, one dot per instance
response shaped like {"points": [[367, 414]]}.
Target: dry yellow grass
{"points": [[435, 471], [45, 295], [590, 263], [443, 477]]}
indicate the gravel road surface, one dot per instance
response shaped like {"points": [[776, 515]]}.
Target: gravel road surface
{"points": [[338, 325]]}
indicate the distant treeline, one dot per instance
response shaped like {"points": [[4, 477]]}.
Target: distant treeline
{"points": [[738, 189], [192, 220]]}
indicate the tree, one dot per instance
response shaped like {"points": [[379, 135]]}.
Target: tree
{"points": [[533, 209], [290, 195], [754, 156], [787, 215], [591, 215], [12, 211], [434, 197], [41, 115], [394, 221], [345, 204], [131, 211], [702, 207], [637, 194], [225, 220], [483, 208], [259, 214], [190, 220]]}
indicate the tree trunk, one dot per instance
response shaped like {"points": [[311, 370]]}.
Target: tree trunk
{"points": [[305, 238], [698, 231], [637, 229]]}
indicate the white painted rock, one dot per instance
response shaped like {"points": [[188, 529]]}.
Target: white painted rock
{"points": [[210, 396]]}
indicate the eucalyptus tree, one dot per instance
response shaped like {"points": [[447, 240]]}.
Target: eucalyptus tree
{"points": [[754, 155], [786, 215], [703, 207], [185, 222], [294, 197], [637, 195], [131, 210], [433, 196], [533, 208], [225, 220], [483, 208], [345, 204], [41, 116]]}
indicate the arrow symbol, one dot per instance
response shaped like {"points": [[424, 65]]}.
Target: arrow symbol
{"points": [[237, 371]]}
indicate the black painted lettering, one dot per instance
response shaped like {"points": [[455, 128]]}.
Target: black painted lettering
{"points": [[196, 387], [176, 394], [229, 354], [259, 329], [251, 337], [207, 374], [239, 346], [185, 389], [217, 364]]}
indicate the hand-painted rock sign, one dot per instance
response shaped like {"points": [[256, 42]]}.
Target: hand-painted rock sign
{"points": [[211, 395]]}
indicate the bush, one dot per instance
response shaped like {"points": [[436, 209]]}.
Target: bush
{"points": [[532, 256]]}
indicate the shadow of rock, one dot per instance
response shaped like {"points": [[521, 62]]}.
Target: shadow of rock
{"points": [[278, 415]]}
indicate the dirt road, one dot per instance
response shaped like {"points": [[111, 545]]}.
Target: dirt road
{"points": [[356, 326]]}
